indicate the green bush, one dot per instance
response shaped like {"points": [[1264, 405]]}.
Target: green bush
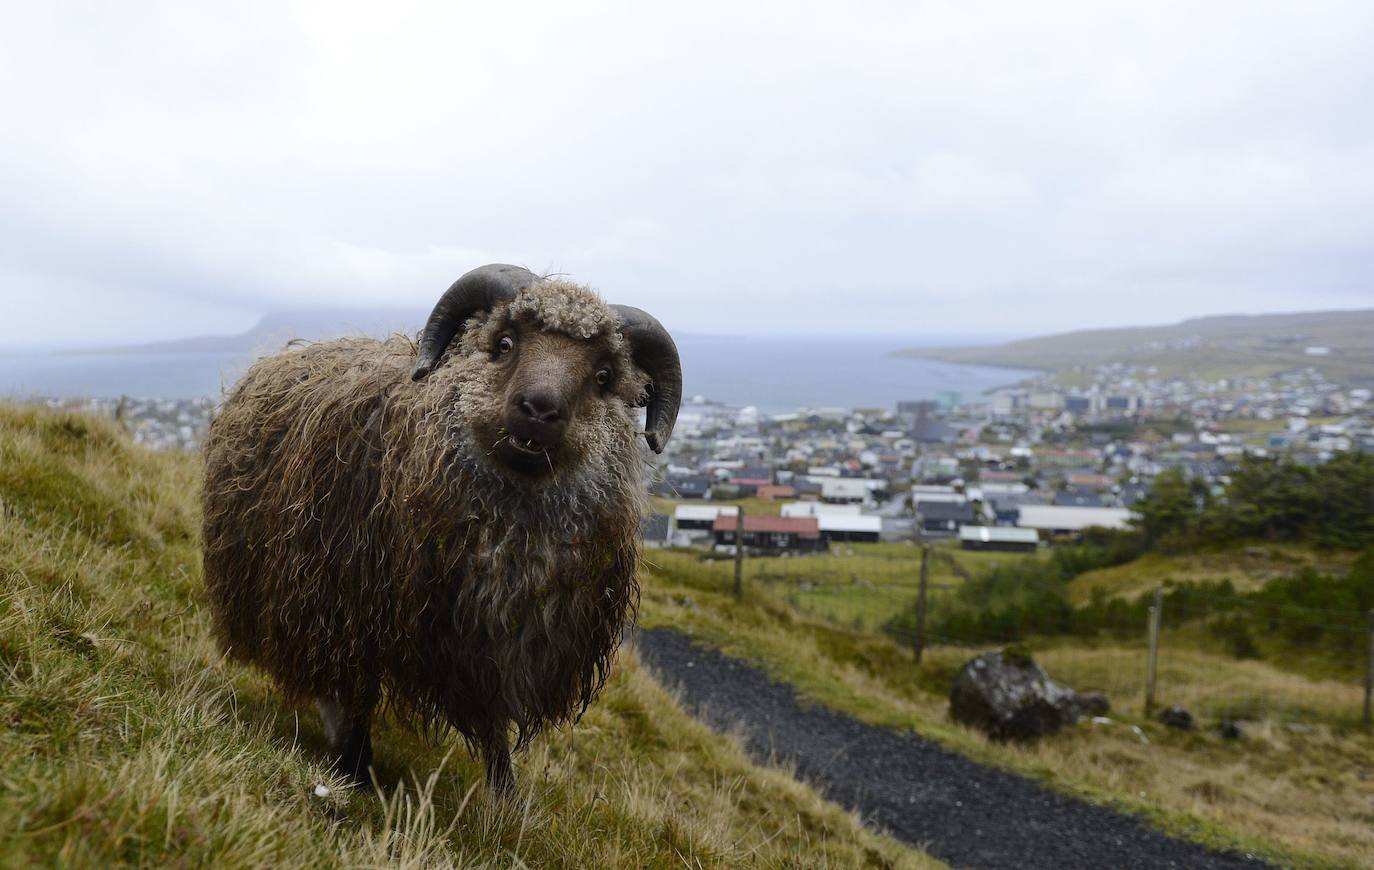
{"points": [[1330, 505], [1305, 612]]}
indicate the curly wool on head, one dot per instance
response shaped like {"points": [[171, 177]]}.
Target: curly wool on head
{"points": [[569, 308], [365, 547]]}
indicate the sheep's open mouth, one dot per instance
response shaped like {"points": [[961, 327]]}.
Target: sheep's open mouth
{"points": [[527, 455]]}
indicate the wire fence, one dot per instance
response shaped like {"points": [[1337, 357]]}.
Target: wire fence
{"points": [[1221, 657]]}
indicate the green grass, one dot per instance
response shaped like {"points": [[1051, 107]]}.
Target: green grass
{"points": [[131, 741]]}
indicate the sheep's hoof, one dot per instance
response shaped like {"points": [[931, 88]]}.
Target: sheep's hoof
{"points": [[355, 762]]}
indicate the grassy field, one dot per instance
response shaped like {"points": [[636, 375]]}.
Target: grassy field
{"points": [[129, 741], [1246, 567], [1303, 797], [858, 585]]}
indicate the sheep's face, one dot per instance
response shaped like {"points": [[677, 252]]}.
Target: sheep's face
{"points": [[557, 384]]}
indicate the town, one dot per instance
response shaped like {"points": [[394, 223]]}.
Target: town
{"points": [[1031, 463]]}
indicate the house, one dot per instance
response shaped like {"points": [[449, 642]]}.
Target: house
{"points": [[691, 517], [1004, 513], [686, 486], [994, 489], [1088, 480], [775, 491], [930, 492], [1006, 507], [656, 530], [942, 517], [848, 490], [748, 486], [816, 508], [998, 538], [1068, 521], [995, 476], [762, 475], [765, 535], [836, 526], [1078, 497]]}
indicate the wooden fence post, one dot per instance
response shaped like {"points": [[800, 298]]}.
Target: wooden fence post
{"points": [[739, 552], [1369, 674], [918, 644], [1156, 609]]}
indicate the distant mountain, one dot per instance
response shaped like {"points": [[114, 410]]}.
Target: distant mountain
{"points": [[1337, 343], [277, 328]]}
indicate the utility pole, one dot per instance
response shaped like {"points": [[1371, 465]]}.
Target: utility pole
{"points": [[1152, 664], [919, 641], [739, 552]]}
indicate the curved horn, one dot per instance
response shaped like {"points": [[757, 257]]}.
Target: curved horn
{"points": [[476, 291], [653, 350]]}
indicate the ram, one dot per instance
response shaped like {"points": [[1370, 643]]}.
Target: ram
{"points": [[445, 531]]}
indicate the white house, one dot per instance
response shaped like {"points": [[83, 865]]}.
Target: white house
{"points": [[1063, 519]]}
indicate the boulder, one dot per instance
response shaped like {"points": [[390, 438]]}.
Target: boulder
{"points": [[1230, 729], [1177, 717], [1009, 697]]}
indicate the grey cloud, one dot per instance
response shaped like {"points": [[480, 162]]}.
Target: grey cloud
{"points": [[970, 167]]}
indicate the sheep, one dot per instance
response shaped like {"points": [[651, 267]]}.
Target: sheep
{"points": [[448, 531]]}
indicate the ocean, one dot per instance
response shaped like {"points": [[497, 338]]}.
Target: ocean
{"points": [[775, 374]]}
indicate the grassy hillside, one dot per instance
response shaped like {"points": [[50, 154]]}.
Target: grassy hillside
{"points": [[1300, 796], [1230, 346], [130, 741], [1245, 566]]}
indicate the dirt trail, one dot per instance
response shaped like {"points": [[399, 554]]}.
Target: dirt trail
{"points": [[962, 812]]}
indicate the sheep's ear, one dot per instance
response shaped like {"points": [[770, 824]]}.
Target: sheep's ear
{"points": [[653, 350], [476, 291]]}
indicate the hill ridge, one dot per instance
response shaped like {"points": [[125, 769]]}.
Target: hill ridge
{"points": [[1213, 346]]}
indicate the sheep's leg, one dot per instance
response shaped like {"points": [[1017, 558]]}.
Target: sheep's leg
{"points": [[496, 754], [350, 735]]}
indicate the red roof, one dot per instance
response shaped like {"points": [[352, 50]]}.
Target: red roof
{"points": [[806, 527], [999, 476], [1088, 479]]}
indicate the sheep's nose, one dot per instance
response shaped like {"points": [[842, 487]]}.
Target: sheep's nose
{"points": [[543, 408], [541, 416]]}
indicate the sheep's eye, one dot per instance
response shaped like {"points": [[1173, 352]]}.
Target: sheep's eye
{"points": [[603, 377], [505, 345]]}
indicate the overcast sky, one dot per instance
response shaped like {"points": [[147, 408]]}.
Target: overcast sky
{"points": [[915, 168]]}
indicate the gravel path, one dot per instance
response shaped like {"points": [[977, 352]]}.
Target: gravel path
{"points": [[961, 812]]}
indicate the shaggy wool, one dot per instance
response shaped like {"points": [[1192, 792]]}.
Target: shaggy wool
{"points": [[361, 542]]}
